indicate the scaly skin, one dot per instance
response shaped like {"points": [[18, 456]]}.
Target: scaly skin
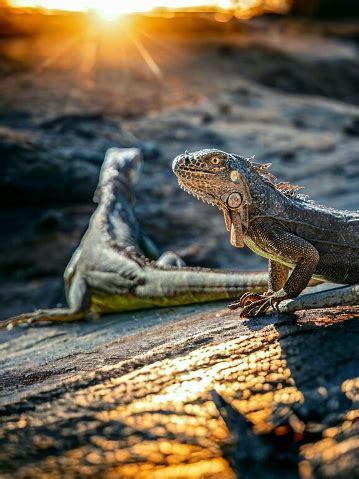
{"points": [[296, 235], [109, 271]]}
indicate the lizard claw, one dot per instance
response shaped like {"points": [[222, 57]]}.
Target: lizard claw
{"points": [[245, 300], [254, 304], [274, 304], [256, 308], [9, 324]]}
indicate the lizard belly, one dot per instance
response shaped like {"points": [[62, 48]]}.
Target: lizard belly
{"points": [[103, 302], [262, 252]]}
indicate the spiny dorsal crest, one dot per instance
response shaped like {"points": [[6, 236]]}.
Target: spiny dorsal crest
{"points": [[263, 170], [188, 155], [284, 187], [287, 189]]}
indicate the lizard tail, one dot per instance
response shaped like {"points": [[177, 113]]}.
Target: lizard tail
{"points": [[177, 286]]}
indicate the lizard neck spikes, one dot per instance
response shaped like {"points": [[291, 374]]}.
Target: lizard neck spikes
{"points": [[291, 191], [264, 172]]}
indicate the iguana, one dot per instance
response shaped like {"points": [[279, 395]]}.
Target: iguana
{"points": [[109, 271], [294, 233]]}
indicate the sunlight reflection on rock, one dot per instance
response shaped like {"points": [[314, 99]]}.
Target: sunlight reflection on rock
{"points": [[160, 420], [171, 399]]}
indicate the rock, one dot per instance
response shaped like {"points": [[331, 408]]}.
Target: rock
{"points": [[18, 297], [50, 163], [131, 393]]}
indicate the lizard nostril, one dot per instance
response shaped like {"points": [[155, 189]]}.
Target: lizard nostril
{"points": [[178, 162]]}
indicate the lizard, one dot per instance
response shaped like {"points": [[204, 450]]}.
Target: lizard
{"points": [[302, 240], [112, 271]]}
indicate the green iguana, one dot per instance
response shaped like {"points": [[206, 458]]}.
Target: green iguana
{"points": [[276, 222], [109, 271]]}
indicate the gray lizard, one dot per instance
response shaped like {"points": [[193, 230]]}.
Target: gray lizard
{"points": [[276, 222], [109, 272]]}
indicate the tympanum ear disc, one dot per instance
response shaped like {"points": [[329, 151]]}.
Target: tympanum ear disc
{"points": [[235, 176], [234, 200]]}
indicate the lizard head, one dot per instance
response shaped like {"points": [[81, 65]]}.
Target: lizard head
{"points": [[122, 166], [214, 177]]}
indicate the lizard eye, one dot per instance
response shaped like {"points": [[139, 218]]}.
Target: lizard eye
{"points": [[215, 161]]}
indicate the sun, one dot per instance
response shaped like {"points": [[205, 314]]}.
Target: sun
{"points": [[111, 8]]}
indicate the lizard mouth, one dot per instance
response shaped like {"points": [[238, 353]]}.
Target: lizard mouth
{"points": [[206, 197]]}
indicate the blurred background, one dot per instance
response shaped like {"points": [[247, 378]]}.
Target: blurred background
{"points": [[273, 78]]}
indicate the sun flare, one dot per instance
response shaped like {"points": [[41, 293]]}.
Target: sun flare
{"points": [[111, 9]]}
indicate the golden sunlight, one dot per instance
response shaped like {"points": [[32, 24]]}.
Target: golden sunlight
{"points": [[111, 9]]}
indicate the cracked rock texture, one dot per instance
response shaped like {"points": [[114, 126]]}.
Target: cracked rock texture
{"points": [[140, 405]]}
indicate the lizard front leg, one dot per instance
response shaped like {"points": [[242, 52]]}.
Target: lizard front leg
{"points": [[277, 277], [287, 248]]}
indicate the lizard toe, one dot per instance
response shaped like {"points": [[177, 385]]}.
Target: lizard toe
{"points": [[245, 300], [256, 308], [21, 319], [234, 305]]}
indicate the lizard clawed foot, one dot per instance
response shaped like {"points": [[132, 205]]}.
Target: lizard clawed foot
{"points": [[254, 304], [26, 318], [59, 315], [257, 308], [245, 300]]}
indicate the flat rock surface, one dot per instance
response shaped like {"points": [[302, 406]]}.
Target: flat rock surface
{"points": [[119, 399]]}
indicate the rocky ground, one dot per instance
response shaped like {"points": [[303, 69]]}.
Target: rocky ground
{"points": [[106, 400], [103, 399]]}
